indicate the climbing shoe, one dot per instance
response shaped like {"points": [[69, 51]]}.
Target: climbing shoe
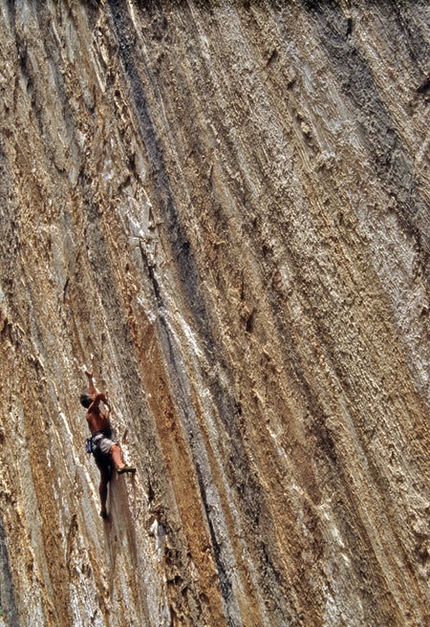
{"points": [[120, 471], [104, 515]]}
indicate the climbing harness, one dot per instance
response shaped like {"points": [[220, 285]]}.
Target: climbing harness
{"points": [[91, 442]]}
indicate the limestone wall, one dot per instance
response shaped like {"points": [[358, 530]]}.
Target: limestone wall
{"points": [[223, 208]]}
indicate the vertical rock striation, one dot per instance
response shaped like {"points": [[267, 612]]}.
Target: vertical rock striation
{"points": [[224, 207]]}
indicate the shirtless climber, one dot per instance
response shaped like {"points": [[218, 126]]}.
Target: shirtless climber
{"points": [[106, 452]]}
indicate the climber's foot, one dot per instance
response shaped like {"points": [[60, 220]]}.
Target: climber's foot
{"points": [[104, 514], [123, 469]]}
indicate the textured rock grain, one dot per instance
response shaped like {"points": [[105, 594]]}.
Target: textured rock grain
{"points": [[225, 208]]}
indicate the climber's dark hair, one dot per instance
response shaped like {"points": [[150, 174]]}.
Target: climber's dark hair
{"points": [[86, 400]]}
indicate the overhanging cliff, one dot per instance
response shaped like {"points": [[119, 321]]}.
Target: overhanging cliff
{"points": [[223, 207]]}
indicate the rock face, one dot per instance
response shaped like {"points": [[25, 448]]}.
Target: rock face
{"points": [[223, 208]]}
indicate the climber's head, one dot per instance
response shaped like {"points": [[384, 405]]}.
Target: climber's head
{"points": [[86, 400]]}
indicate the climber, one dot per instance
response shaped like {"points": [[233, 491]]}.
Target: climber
{"points": [[107, 453]]}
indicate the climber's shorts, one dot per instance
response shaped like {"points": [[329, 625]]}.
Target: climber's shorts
{"points": [[102, 444], [105, 445]]}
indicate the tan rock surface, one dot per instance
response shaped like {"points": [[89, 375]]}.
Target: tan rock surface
{"points": [[224, 208]]}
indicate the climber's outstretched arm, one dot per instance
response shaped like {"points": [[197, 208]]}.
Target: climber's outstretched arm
{"points": [[91, 387], [96, 396]]}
